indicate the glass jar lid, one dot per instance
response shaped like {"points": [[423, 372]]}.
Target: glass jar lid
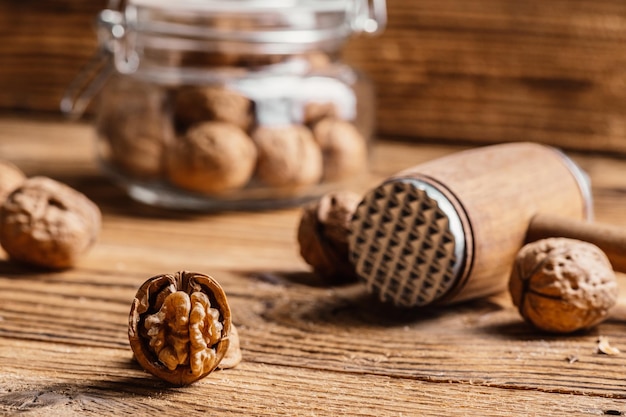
{"points": [[241, 26], [131, 31]]}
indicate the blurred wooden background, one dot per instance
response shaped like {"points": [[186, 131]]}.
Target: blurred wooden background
{"points": [[446, 70]]}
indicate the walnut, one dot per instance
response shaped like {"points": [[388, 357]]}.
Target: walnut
{"points": [[288, 156], [10, 178], [46, 223], [180, 326], [563, 285], [344, 149], [212, 103], [318, 60], [314, 111], [135, 129], [212, 157], [323, 236]]}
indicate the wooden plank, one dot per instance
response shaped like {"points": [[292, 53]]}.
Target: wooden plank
{"points": [[308, 349], [112, 385], [338, 330], [498, 70], [485, 72]]}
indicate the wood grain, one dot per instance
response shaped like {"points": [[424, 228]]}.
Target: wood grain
{"points": [[481, 72], [308, 349], [500, 70]]}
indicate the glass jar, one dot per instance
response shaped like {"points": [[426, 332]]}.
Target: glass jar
{"points": [[218, 104]]}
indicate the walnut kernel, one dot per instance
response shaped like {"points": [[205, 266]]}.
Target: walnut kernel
{"points": [[323, 236], [135, 129], [47, 223], [288, 156], [10, 178], [212, 157], [563, 285], [180, 326]]}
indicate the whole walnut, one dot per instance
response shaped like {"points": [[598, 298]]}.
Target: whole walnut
{"points": [[314, 111], [343, 148], [563, 285], [213, 103], [212, 157], [135, 128], [317, 60], [48, 224], [288, 156], [10, 178], [323, 236]]}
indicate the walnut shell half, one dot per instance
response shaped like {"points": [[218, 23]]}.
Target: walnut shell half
{"points": [[179, 326], [323, 236]]}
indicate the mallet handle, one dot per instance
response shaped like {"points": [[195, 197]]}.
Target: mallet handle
{"points": [[610, 238]]}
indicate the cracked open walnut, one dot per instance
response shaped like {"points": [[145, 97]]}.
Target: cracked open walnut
{"points": [[323, 236], [180, 326]]}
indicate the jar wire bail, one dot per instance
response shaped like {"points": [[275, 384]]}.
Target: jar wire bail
{"points": [[94, 74], [370, 16]]}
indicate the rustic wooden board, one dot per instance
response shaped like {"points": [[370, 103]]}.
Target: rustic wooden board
{"points": [[479, 72], [501, 70], [308, 349]]}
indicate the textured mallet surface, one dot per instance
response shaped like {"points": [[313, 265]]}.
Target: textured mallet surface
{"points": [[402, 246]]}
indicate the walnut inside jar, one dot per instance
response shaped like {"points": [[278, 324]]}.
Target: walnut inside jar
{"points": [[211, 158], [288, 156], [135, 128], [343, 148], [314, 111], [46, 223], [194, 104], [563, 285], [180, 326]]}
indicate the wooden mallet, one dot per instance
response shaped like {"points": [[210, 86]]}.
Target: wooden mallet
{"points": [[448, 230]]}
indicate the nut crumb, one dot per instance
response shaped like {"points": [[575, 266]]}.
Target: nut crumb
{"points": [[604, 347], [571, 359], [233, 356]]}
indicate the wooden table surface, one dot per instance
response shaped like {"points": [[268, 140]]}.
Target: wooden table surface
{"points": [[308, 350]]}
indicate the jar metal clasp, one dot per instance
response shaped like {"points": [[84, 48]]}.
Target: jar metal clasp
{"points": [[112, 33], [370, 16]]}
